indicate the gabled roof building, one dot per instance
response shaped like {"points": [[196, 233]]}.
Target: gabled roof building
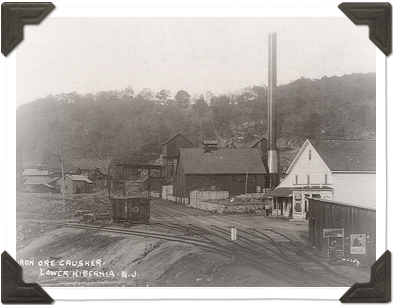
{"points": [[75, 184], [170, 152], [339, 170], [35, 172], [237, 171], [41, 185]]}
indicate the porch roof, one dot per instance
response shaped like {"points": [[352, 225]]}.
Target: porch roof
{"points": [[280, 192], [311, 187]]}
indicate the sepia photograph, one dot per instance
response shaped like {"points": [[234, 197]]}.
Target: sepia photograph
{"points": [[196, 152]]}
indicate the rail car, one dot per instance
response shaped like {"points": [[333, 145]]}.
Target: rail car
{"points": [[130, 209]]}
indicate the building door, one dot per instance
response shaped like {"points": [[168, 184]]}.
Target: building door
{"points": [[306, 196]]}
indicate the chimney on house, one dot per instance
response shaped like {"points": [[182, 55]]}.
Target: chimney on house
{"points": [[39, 167], [210, 145]]}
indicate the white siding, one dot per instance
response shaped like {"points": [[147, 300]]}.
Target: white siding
{"points": [[315, 168], [357, 189]]}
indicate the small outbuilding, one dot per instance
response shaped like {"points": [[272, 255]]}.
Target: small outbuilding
{"points": [[75, 184], [41, 185]]}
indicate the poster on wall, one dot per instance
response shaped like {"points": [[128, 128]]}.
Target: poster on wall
{"points": [[335, 246], [358, 244], [333, 232], [298, 203]]}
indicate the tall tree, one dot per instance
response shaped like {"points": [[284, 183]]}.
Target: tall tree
{"points": [[182, 99]]}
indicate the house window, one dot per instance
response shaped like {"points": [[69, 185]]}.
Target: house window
{"points": [[308, 179], [66, 187], [296, 179], [309, 154], [325, 178]]}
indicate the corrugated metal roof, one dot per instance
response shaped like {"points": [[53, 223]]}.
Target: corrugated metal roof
{"points": [[67, 169], [35, 172], [251, 144], [210, 142], [280, 192], [347, 155], [79, 178], [48, 185], [221, 161], [40, 180]]}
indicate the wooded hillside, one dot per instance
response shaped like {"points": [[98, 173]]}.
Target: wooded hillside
{"points": [[124, 126]]}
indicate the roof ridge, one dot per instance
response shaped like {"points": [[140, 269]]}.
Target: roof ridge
{"points": [[344, 140], [171, 138]]}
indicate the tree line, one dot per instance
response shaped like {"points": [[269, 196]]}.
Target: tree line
{"points": [[125, 126]]}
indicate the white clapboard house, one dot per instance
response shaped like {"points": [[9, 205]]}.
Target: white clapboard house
{"points": [[339, 170]]}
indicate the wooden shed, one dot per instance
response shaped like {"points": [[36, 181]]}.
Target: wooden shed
{"points": [[41, 185], [75, 184], [343, 230], [170, 152]]}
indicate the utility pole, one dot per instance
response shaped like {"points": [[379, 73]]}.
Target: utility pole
{"points": [[62, 176], [148, 182], [108, 182], [124, 183], [245, 190]]}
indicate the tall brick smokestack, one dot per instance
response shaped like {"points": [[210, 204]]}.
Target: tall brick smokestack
{"points": [[272, 112]]}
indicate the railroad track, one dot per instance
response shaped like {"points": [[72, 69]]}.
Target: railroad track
{"points": [[286, 259], [169, 237], [288, 256], [219, 239], [159, 210], [296, 253]]}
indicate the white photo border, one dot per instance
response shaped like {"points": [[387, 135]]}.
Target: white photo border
{"points": [[68, 293]]}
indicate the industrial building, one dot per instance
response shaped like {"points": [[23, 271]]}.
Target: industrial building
{"points": [[236, 171], [170, 152]]}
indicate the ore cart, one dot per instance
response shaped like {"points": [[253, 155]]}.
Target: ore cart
{"points": [[130, 209]]}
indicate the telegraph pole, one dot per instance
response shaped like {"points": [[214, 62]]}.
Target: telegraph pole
{"points": [[62, 176]]}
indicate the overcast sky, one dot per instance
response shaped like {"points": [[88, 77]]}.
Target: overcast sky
{"points": [[88, 55]]}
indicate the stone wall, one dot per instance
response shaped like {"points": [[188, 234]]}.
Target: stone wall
{"points": [[197, 196], [221, 208]]}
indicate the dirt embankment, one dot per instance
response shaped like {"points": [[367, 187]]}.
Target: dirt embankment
{"points": [[59, 256], [52, 206], [74, 257]]}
